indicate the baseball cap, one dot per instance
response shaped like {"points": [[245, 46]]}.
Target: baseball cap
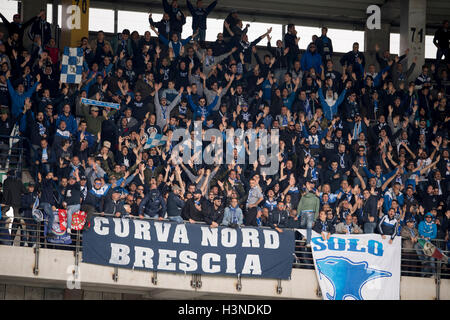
{"points": [[429, 214], [94, 108], [83, 177], [107, 144], [217, 198], [116, 190], [197, 191], [411, 219]]}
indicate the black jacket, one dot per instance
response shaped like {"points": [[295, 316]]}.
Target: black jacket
{"points": [[193, 213], [370, 209], [49, 193], [199, 15], [112, 207], [28, 200], [17, 28], [153, 204], [174, 205], [279, 218], [327, 226], [13, 188], [73, 194], [214, 215]]}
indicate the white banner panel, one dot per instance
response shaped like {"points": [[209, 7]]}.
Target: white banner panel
{"points": [[357, 267]]}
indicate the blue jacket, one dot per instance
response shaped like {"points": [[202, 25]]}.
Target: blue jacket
{"points": [[176, 46], [380, 179], [289, 100], [330, 111], [198, 110], [18, 100], [70, 121], [310, 60], [388, 200], [314, 140], [427, 230]]}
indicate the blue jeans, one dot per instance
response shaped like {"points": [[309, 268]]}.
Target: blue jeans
{"points": [[307, 219], [427, 262], [70, 211], [177, 219], [201, 35], [49, 215], [369, 227]]}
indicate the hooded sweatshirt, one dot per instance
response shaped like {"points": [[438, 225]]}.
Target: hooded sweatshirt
{"points": [[309, 202]]}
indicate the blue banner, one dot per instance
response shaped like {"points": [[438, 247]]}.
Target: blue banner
{"points": [[189, 248]]}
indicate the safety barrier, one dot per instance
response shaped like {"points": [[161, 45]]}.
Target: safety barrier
{"points": [[12, 153], [27, 232]]}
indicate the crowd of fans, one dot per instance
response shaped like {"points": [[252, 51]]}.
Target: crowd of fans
{"points": [[362, 149]]}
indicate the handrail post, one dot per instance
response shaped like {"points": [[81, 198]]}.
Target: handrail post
{"points": [[77, 249], [36, 250], [438, 280], [115, 275], [279, 287], [155, 278]]}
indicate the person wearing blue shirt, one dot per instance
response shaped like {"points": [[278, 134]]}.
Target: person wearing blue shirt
{"points": [[18, 97], [174, 43], [393, 194], [428, 231], [202, 110], [330, 106], [71, 123], [311, 59], [379, 175], [313, 136]]}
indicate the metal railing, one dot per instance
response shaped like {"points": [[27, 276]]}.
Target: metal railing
{"points": [[22, 231], [12, 153]]}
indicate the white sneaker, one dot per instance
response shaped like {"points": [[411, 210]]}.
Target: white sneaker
{"points": [[308, 245], [69, 231]]}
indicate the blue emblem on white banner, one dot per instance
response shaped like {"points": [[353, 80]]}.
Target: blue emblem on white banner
{"points": [[356, 267], [347, 277], [72, 65]]}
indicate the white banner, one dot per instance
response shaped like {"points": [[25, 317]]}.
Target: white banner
{"points": [[357, 267]]}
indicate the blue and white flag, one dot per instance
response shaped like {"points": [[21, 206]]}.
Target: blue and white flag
{"points": [[72, 65], [154, 140], [357, 267], [98, 103]]}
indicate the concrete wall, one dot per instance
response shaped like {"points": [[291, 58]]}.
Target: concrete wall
{"points": [[17, 281]]}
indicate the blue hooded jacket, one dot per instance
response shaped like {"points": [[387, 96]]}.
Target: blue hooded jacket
{"points": [[428, 230], [18, 100], [310, 60]]}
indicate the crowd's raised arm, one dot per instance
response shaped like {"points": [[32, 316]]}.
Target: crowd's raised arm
{"points": [[361, 149]]}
